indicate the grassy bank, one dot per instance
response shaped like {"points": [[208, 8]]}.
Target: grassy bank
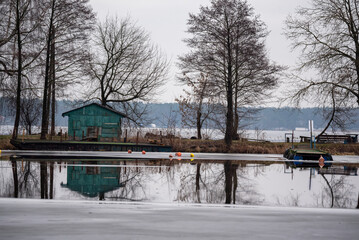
{"points": [[218, 146], [5, 142]]}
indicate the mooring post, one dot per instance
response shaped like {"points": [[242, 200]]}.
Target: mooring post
{"points": [[138, 133], [292, 139], [60, 134]]}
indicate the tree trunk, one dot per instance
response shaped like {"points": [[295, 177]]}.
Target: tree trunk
{"points": [[235, 124], [332, 116], [198, 123], [45, 113], [236, 115], [19, 73], [53, 79], [229, 85], [48, 103], [29, 129]]}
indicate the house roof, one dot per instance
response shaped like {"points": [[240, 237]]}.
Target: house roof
{"points": [[105, 107]]}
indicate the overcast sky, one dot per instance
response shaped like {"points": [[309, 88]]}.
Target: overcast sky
{"points": [[166, 20]]}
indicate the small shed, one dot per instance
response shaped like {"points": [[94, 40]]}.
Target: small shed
{"points": [[94, 122]]}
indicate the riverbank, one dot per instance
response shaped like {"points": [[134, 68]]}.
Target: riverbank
{"points": [[218, 146]]}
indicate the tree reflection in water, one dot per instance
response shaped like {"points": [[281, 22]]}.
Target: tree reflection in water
{"points": [[230, 182], [24, 182]]}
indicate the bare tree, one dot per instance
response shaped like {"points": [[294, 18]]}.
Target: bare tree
{"points": [[199, 103], [19, 48], [66, 26], [227, 44], [327, 34], [125, 65], [29, 111]]}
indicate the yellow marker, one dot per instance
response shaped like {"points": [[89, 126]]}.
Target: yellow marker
{"points": [[0, 153], [192, 160], [192, 155]]}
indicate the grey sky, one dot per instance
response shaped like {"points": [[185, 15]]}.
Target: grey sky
{"points": [[166, 21]]}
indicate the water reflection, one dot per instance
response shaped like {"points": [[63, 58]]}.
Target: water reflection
{"points": [[93, 181], [231, 182]]}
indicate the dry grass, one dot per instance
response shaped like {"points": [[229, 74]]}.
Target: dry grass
{"points": [[5, 142], [218, 146]]}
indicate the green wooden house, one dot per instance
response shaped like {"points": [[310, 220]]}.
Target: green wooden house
{"points": [[94, 122]]}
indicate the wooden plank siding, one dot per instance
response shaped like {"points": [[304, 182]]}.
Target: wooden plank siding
{"points": [[94, 122]]}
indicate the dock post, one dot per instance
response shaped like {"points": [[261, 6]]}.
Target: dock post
{"points": [[138, 133]]}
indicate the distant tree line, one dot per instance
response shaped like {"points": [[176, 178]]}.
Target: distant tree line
{"points": [[168, 115]]}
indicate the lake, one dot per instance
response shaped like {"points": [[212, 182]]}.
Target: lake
{"points": [[265, 183]]}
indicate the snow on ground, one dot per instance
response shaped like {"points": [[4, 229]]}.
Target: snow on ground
{"points": [[51, 219]]}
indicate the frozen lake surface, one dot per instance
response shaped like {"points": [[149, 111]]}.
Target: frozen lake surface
{"points": [[45, 219], [130, 198]]}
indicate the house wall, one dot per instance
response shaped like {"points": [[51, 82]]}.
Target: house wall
{"points": [[94, 122]]}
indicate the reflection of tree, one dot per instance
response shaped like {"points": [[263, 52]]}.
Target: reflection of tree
{"points": [[43, 180], [132, 180], [15, 178], [337, 192], [231, 181], [201, 184], [198, 177], [212, 183], [25, 179], [331, 190], [28, 179]]}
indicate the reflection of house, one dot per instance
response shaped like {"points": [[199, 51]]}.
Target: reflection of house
{"points": [[94, 122], [92, 181]]}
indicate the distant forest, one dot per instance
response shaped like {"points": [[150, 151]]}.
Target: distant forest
{"points": [[159, 114]]}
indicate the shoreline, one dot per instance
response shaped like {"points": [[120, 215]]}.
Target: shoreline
{"points": [[218, 146]]}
